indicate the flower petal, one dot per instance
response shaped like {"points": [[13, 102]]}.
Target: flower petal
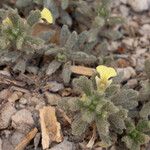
{"points": [[47, 15], [106, 72], [7, 21]]}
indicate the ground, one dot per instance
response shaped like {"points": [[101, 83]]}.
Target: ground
{"points": [[27, 100]]}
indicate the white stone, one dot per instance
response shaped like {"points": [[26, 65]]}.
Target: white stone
{"points": [[139, 5], [145, 29], [6, 111], [124, 10], [123, 1], [128, 73], [23, 120], [0, 144]]}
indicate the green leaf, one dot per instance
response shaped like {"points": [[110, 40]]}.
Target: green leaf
{"points": [[127, 98], [84, 84], [33, 17], [19, 42], [143, 126], [112, 90], [117, 120], [64, 34], [71, 41], [87, 115], [145, 111], [102, 126], [64, 4], [114, 21], [147, 67], [103, 131], [110, 108], [23, 3], [78, 126], [130, 143]]}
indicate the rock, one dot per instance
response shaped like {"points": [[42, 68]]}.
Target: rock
{"points": [[115, 3], [128, 73], [55, 86], [124, 10], [15, 96], [52, 99], [65, 145], [113, 46], [6, 145], [144, 41], [132, 83], [23, 120], [36, 101], [6, 133], [6, 111], [129, 42], [16, 138], [37, 140], [124, 1], [139, 5], [145, 30], [140, 64], [23, 101], [4, 94], [0, 144]]}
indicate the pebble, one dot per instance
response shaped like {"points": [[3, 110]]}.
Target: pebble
{"points": [[124, 10], [55, 86], [16, 138], [52, 99], [128, 72], [132, 83], [6, 145], [145, 30], [140, 64], [0, 144], [124, 1], [23, 101], [6, 111], [15, 96], [4, 94], [23, 120], [139, 5], [129, 42], [65, 145]]}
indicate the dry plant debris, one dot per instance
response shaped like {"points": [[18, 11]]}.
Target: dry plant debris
{"points": [[50, 127], [26, 140]]}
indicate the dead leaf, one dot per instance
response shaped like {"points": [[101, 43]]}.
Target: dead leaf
{"points": [[26, 140], [51, 129], [82, 70], [63, 115], [93, 138]]}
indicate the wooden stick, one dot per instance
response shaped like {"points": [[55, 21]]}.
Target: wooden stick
{"points": [[82, 70], [26, 140]]}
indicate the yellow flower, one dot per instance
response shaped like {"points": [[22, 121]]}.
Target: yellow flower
{"points": [[105, 73], [47, 15], [7, 21]]}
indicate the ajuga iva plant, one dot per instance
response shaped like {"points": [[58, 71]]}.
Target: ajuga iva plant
{"points": [[136, 135], [97, 105], [57, 7], [71, 48], [144, 93], [17, 43]]}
